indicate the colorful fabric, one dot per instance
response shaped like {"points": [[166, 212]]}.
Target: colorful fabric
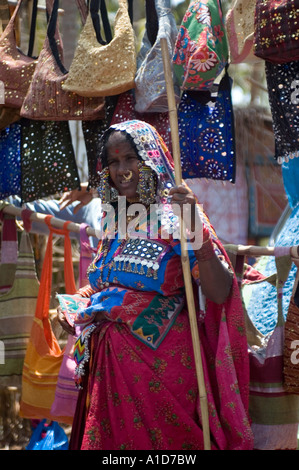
{"points": [[134, 395], [201, 50]]}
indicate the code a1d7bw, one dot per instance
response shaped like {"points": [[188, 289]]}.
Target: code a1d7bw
{"points": [[171, 459]]}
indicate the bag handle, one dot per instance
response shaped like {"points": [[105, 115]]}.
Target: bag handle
{"points": [[52, 29], [95, 6], [10, 28], [44, 294]]}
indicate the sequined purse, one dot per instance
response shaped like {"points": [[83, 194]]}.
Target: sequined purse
{"points": [[150, 85], [283, 92], [206, 132], [16, 68], [201, 50], [10, 168], [48, 163], [276, 30], [102, 67], [46, 99]]}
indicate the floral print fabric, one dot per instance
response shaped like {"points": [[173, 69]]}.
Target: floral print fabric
{"points": [[201, 50]]}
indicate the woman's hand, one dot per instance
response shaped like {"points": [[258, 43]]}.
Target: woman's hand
{"points": [[84, 196], [63, 322], [182, 196]]}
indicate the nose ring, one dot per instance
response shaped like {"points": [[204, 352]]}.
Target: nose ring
{"points": [[128, 176]]}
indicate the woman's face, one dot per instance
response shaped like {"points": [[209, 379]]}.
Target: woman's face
{"points": [[123, 165]]}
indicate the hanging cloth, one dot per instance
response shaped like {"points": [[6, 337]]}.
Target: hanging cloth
{"points": [[19, 288], [44, 356]]}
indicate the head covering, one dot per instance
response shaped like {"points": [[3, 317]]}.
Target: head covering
{"points": [[150, 149]]}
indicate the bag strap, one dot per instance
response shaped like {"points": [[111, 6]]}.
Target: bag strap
{"points": [[100, 5], [52, 29], [95, 7], [44, 294]]}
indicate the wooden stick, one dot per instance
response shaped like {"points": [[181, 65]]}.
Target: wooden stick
{"points": [[185, 257]]}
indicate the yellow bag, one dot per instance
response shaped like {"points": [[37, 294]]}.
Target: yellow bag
{"points": [[106, 68], [44, 356]]}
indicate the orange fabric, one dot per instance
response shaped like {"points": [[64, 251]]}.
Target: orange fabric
{"points": [[44, 356]]}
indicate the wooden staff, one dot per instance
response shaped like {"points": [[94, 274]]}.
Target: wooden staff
{"points": [[185, 257]]}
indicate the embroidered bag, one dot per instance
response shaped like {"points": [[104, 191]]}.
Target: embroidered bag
{"points": [[239, 22], [16, 68], [282, 83], [66, 393], [44, 356], [48, 163], [103, 68], [10, 168], [19, 290], [273, 411], [276, 30], [201, 50], [46, 100], [206, 131], [291, 342], [150, 85]]}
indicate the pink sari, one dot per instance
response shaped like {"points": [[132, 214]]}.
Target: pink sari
{"points": [[136, 398]]}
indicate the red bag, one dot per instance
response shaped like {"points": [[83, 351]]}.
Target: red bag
{"points": [[276, 30]]}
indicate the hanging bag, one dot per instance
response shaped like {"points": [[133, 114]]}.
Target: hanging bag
{"points": [[16, 68], [273, 411], [44, 355], [276, 30], [102, 67], [206, 131], [46, 100], [239, 22], [201, 50], [19, 290], [150, 85], [66, 393], [10, 168]]}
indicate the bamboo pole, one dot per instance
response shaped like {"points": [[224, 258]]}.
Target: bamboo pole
{"points": [[185, 257]]}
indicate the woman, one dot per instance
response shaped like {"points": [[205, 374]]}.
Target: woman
{"points": [[137, 374]]}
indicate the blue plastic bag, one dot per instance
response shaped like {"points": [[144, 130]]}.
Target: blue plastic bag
{"points": [[48, 437]]}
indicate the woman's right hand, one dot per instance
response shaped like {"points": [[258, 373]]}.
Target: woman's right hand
{"points": [[83, 196], [63, 322]]}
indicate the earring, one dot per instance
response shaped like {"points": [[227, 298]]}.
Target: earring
{"points": [[105, 191], [146, 186]]}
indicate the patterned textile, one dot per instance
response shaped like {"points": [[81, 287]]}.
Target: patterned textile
{"points": [[134, 395]]}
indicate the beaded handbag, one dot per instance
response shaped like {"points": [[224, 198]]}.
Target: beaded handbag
{"points": [[201, 50], [16, 68], [46, 98], [276, 30], [10, 168], [206, 131], [99, 67]]}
